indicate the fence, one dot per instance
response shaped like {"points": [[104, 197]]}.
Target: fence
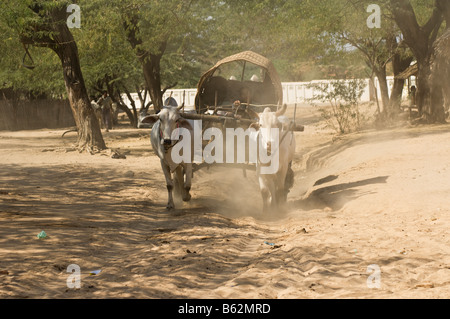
{"points": [[35, 114]]}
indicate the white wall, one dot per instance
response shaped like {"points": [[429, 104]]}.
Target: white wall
{"points": [[293, 92], [298, 92]]}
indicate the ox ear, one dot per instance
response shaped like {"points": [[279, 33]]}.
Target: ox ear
{"points": [[150, 119], [255, 126], [182, 122]]}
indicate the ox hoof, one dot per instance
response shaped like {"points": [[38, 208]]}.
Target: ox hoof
{"points": [[187, 198], [170, 206]]}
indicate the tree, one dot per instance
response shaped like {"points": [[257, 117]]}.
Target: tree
{"points": [[420, 39], [43, 23], [107, 60], [337, 33], [151, 28], [440, 73], [36, 74], [378, 44]]}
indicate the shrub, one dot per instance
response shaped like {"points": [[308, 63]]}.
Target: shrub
{"points": [[343, 99]]}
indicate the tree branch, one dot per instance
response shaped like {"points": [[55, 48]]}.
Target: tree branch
{"points": [[168, 87], [434, 22]]}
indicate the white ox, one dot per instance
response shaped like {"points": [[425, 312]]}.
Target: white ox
{"points": [[275, 187], [165, 122]]}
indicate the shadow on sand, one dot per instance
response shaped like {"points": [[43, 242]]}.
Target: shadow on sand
{"points": [[335, 196]]}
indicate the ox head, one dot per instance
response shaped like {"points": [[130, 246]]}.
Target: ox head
{"points": [[170, 120], [269, 120]]}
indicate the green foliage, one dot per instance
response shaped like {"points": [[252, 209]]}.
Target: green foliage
{"points": [[105, 56], [306, 40], [46, 77], [17, 18], [342, 103]]}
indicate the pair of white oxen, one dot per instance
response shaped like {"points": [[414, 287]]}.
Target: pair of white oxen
{"points": [[274, 187]]}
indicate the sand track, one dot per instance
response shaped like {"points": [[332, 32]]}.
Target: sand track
{"points": [[368, 198]]}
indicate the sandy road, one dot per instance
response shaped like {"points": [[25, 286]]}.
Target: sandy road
{"points": [[373, 198]]}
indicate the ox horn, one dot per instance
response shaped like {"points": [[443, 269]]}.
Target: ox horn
{"points": [[282, 110], [180, 107]]}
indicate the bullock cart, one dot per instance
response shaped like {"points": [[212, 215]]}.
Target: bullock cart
{"points": [[232, 93]]}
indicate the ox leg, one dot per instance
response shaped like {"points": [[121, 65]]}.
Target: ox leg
{"points": [[284, 183], [268, 193], [169, 184], [273, 196], [288, 181], [178, 185], [187, 185], [265, 193]]}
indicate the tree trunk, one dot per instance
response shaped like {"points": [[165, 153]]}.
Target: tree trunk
{"points": [[384, 91], [420, 40], [372, 89], [440, 76], [151, 62], [132, 117], [423, 88], [395, 100], [399, 64], [152, 75], [62, 42], [444, 7], [123, 107], [133, 106], [89, 134]]}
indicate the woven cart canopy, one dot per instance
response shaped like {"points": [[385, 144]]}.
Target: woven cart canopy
{"points": [[251, 57]]}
